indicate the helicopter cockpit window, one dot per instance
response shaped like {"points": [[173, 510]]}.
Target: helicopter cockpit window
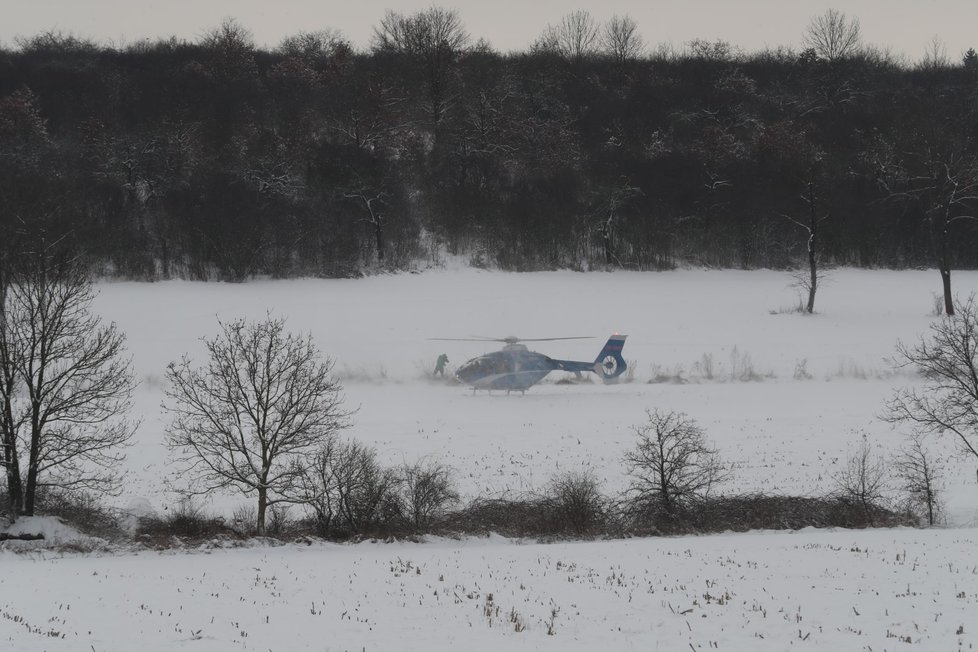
{"points": [[479, 365]]}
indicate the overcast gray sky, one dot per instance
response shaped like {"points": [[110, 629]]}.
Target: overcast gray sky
{"points": [[903, 26]]}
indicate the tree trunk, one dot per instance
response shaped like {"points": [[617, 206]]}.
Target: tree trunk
{"points": [[8, 456], [940, 233], [164, 259], [15, 490], [262, 507], [663, 482], [379, 237], [34, 457], [930, 506], [606, 242], [946, 283], [31, 491], [812, 258]]}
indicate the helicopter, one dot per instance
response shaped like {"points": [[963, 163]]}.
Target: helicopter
{"points": [[516, 368]]}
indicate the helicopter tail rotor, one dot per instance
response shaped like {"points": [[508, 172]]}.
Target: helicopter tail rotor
{"points": [[609, 364]]}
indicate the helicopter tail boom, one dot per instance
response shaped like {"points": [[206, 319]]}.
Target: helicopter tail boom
{"points": [[609, 364]]}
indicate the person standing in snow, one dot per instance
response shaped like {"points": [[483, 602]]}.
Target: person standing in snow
{"points": [[440, 365]]}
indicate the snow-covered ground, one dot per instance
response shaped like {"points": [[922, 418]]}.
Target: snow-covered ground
{"points": [[783, 396], [811, 590]]}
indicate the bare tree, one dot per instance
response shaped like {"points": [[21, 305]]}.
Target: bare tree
{"points": [[436, 38], [253, 414], [950, 195], [948, 361], [620, 39], [935, 55], [370, 117], [232, 49], [65, 381], [672, 465], [609, 206], [575, 37], [316, 485], [364, 492], [940, 181], [428, 491], [348, 489], [863, 479], [10, 420], [316, 46], [230, 38], [371, 200], [718, 50], [428, 31], [919, 474], [810, 281], [833, 35]]}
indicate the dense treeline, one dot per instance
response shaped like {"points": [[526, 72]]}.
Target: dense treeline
{"points": [[220, 160]]}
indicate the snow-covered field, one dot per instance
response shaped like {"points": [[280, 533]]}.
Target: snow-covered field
{"points": [[783, 396], [810, 590]]}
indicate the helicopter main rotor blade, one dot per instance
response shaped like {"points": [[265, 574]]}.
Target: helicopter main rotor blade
{"points": [[466, 339], [511, 339], [554, 339]]}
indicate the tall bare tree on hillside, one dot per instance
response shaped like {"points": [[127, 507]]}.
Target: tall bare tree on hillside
{"points": [[434, 37], [935, 55], [620, 39], [833, 35], [576, 37], [251, 417], [315, 46]]}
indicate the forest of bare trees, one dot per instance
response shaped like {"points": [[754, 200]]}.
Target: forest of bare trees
{"points": [[217, 159]]}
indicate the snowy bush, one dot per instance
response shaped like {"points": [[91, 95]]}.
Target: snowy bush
{"points": [[576, 503]]}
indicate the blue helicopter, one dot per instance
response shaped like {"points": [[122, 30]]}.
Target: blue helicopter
{"points": [[516, 368]]}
